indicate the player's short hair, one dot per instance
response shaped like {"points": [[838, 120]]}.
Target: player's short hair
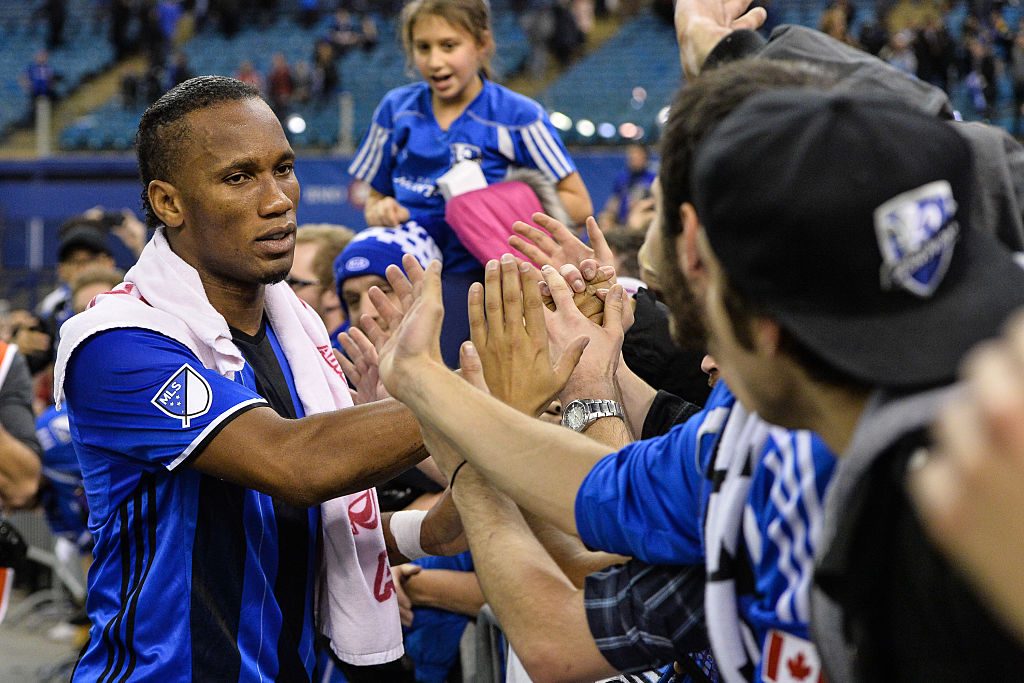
{"points": [[162, 129]]}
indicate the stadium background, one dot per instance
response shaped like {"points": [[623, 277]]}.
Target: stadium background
{"points": [[607, 82]]}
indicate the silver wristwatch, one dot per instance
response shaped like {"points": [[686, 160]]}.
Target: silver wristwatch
{"points": [[581, 413]]}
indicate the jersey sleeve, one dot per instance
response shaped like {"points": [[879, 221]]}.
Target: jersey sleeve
{"points": [[644, 501], [374, 161], [539, 146], [143, 399]]}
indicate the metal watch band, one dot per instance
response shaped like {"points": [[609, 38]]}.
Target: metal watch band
{"points": [[598, 408]]}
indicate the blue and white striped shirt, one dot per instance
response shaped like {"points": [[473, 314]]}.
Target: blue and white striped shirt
{"points": [[728, 490]]}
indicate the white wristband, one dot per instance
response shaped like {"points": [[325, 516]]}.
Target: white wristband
{"points": [[405, 528]]}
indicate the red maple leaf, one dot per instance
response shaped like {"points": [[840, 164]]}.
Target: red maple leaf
{"points": [[798, 668]]}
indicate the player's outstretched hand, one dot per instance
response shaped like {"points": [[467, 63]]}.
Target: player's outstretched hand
{"points": [[702, 24], [969, 490], [414, 337], [509, 333]]}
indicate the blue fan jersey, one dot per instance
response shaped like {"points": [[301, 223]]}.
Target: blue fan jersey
{"points": [[405, 152], [63, 497], [194, 578], [650, 500]]}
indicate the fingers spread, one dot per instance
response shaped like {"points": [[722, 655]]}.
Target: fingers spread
{"points": [[389, 313]]}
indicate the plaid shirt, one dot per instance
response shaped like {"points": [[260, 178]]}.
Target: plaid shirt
{"points": [[642, 615]]}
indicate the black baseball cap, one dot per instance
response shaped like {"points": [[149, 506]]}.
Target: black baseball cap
{"points": [[845, 218], [82, 237]]}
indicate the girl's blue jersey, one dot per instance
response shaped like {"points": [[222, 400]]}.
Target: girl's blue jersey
{"points": [[406, 151]]}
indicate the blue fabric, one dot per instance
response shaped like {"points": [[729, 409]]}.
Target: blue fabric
{"points": [[432, 642], [405, 152], [63, 496], [372, 250], [40, 78], [629, 187], [183, 583], [647, 500]]}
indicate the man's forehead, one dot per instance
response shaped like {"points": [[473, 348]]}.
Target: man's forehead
{"points": [[233, 127]]}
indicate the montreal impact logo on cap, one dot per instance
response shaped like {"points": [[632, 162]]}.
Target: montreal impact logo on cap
{"points": [[916, 235], [185, 395]]}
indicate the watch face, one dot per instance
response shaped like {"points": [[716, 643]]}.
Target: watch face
{"points": [[575, 416]]}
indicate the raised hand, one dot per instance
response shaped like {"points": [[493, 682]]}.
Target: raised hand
{"points": [[413, 337], [561, 246], [509, 333], [702, 24], [566, 324], [402, 284], [360, 366]]}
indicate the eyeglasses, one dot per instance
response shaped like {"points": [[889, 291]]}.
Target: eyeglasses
{"points": [[296, 282]]}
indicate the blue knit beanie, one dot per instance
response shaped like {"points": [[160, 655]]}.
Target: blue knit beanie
{"points": [[374, 249]]}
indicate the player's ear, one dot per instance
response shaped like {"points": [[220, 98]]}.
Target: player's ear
{"points": [[690, 262], [166, 202]]}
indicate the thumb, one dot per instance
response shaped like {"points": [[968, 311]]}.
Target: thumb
{"points": [[570, 358], [408, 569], [472, 368], [613, 303], [750, 21]]}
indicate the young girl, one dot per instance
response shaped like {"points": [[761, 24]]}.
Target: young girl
{"points": [[456, 113]]}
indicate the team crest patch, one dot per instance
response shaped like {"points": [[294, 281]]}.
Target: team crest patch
{"points": [[790, 659], [916, 235], [184, 396], [461, 151]]}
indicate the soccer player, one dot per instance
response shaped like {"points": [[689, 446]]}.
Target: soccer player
{"points": [[202, 397]]}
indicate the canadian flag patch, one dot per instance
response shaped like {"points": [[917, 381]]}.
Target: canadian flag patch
{"points": [[790, 659]]}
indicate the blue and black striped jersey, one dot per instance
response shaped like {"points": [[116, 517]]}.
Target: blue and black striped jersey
{"points": [[194, 578]]}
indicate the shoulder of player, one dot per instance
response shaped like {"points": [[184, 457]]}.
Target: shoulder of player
{"points": [[125, 347], [407, 100], [507, 108]]}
